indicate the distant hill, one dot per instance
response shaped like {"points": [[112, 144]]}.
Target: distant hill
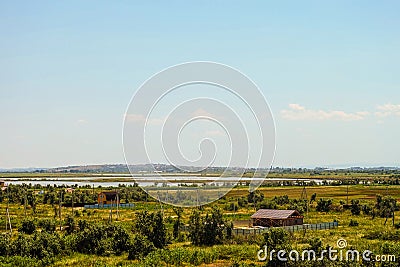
{"points": [[166, 168]]}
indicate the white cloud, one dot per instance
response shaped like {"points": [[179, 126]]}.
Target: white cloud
{"points": [[388, 110], [82, 121], [298, 112], [202, 113], [139, 118]]}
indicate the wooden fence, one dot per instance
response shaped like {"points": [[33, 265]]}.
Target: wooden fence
{"points": [[293, 228], [107, 206]]}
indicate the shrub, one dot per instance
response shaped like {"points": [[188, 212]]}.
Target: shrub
{"points": [[70, 224], [324, 205], [316, 244], [5, 240], [27, 226], [120, 240], [353, 223], [140, 247], [355, 207], [208, 230], [47, 225], [277, 239], [82, 225], [255, 196], [152, 226]]}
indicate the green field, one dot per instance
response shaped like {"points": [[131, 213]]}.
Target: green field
{"points": [[371, 232]]}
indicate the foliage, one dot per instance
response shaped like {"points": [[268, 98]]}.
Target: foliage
{"points": [[178, 223], [152, 226], [70, 224], [140, 247], [385, 206], [207, 230], [355, 207], [47, 225], [28, 226], [100, 239], [276, 239], [255, 196], [353, 223], [324, 205]]}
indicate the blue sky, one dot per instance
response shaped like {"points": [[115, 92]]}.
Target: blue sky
{"points": [[329, 70]]}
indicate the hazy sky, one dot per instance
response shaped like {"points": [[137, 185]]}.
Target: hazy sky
{"points": [[329, 70]]}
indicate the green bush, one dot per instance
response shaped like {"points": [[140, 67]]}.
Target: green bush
{"points": [[5, 248], [28, 226], [324, 205], [353, 223], [48, 225], [152, 226], [140, 247]]}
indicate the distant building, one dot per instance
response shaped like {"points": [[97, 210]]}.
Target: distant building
{"points": [[107, 198], [3, 185], [69, 190], [276, 218]]}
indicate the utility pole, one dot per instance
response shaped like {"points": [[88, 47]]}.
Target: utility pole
{"points": [[197, 197], [117, 205], [7, 211], [72, 204], [110, 216], [25, 203], [162, 209], [59, 210], [305, 197], [347, 197]]}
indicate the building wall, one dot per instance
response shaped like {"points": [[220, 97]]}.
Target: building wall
{"points": [[101, 199], [277, 222]]}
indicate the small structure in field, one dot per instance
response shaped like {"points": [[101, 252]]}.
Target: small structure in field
{"points": [[276, 218], [3, 185], [110, 197], [69, 190]]}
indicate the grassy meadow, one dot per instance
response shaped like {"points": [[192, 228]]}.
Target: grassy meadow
{"points": [[367, 231]]}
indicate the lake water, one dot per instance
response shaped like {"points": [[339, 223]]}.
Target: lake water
{"points": [[107, 181]]}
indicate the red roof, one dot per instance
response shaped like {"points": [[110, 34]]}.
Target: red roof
{"points": [[274, 214]]}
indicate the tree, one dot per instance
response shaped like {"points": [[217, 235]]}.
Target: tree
{"points": [[277, 239], [48, 225], [140, 247], [28, 227], [255, 196], [152, 226], [196, 228], [177, 224], [386, 207], [355, 207], [207, 230], [313, 198], [324, 205], [32, 202], [120, 240], [213, 228], [70, 224]]}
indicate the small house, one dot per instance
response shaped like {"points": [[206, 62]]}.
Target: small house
{"points": [[110, 197], [69, 190], [276, 218]]}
